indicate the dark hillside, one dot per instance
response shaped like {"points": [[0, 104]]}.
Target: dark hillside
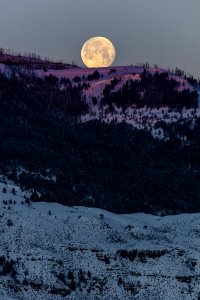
{"points": [[114, 167]]}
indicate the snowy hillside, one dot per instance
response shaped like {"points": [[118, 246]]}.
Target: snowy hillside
{"points": [[93, 89], [50, 251]]}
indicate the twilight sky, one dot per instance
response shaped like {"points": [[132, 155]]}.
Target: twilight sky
{"points": [[163, 32]]}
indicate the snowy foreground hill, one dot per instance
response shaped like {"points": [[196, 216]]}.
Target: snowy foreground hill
{"points": [[50, 251]]}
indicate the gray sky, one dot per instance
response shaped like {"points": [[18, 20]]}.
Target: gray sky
{"points": [[163, 32]]}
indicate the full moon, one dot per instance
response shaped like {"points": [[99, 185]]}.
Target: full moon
{"points": [[98, 52]]}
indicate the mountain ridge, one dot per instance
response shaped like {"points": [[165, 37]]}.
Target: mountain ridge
{"points": [[33, 61]]}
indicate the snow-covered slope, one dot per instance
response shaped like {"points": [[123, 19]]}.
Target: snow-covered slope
{"points": [[92, 93], [140, 118], [48, 251]]}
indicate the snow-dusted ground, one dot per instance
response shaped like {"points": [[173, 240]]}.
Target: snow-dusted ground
{"points": [[143, 118], [111, 256], [161, 260]]}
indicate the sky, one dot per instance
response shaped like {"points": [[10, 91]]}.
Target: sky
{"points": [[162, 32]]}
